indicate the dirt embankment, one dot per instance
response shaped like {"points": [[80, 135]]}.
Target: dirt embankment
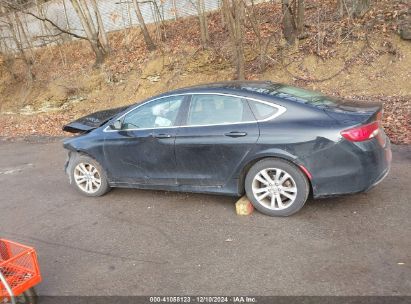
{"points": [[359, 64]]}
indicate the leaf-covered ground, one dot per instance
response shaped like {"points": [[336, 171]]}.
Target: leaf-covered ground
{"points": [[361, 59]]}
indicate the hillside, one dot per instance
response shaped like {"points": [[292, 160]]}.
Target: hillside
{"points": [[359, 59]]}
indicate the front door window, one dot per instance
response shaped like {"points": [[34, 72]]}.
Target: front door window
{"points": [[160, 113]]}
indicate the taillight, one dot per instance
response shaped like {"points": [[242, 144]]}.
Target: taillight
{"points": [[361, 133]]}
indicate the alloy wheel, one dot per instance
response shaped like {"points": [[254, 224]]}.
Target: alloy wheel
{"points": [[274, 188], [87, 177]]}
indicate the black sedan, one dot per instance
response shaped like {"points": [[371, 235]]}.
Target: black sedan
{"points": [[274, 142]]}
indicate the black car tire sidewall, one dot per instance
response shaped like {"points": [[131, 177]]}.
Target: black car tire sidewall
{"points": [[27, 297], [300, 179], [79, 158]]}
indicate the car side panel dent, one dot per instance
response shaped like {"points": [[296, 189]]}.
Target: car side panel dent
{"points": [[90, 144], [347, 167]]}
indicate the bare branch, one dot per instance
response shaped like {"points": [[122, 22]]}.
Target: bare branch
{"points": [[45, 19]]}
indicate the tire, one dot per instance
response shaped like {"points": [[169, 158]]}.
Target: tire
{"points": [[292, 190], [84, 166], [27, 297]]}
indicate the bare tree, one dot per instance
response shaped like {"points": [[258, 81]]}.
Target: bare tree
{"points": [[100, 47], [299, 10], [405, 25], [293, 19], [18, 34], [6, 49], [100, 25], [353, 8], [43, 24], [94, 31], [234, 13], [22, 32], [289, 30], [255, 19], [175, 11], [147, 38], [202, 18]]}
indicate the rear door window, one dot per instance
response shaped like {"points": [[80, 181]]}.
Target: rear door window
{"points": [[213, 109]]}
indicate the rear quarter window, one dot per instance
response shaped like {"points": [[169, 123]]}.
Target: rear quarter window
{"points": [[262, 111]]}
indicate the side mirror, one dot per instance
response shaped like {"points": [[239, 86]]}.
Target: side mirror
{"points": [[117, 125]]}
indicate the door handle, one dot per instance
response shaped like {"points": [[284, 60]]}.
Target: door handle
{"points": [[236, 134], [162, 135]]}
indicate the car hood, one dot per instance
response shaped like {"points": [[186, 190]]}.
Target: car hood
{"points": [[92, 121]]}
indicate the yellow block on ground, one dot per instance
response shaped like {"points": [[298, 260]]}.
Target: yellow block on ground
{"points": [[243, 206]]}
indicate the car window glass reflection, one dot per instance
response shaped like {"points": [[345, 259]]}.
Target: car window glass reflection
{"points": [[261, 110], [215, 109], [157, 114]]}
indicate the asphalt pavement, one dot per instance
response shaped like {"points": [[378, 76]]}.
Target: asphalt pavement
{"points": [[138, 242]]}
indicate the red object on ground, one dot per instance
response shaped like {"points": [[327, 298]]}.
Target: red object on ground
{"points": [[18, 264]]}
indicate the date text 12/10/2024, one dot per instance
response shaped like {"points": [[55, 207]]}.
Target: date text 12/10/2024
{"points": [[202, 299]]}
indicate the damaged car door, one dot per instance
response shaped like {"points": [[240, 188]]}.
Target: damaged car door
{"points": [[139, 146]]}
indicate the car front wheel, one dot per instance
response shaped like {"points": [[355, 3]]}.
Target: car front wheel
{"points": [[88, 176], [276, 187]]}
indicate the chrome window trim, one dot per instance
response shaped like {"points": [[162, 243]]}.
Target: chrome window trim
{"points": [[281, 110]]}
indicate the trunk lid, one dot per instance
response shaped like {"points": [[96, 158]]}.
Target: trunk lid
{"points": [[92, 121], [361, 120], [350, 112]]}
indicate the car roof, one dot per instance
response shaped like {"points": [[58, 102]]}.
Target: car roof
{"points": [[245, 87]]}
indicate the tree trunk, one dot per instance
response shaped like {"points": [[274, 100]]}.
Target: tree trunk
{"points": [[405, 26], [353, 8], [300, 16], [84, 15], [175, 9], [147, 38], [101, 31], [289, 28], [239, 13], [13, 29], [233, 11], [42, 23], [203, 23], [66, 18], [256, 26], [7, 53], [23, 37]]}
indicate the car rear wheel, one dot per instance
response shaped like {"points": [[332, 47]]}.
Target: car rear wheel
{"points": [[88, 176], [276, 187]]}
